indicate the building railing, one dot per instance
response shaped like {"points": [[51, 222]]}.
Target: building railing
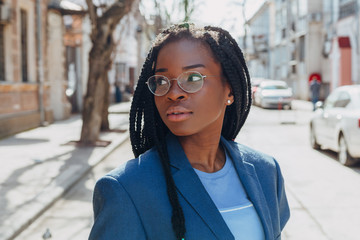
{"points": [[348, 9]]}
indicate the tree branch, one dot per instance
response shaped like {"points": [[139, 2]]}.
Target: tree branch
{"points": [[93, 17], [116, 11]]}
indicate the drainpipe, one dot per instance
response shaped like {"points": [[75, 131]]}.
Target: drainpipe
{"points": [[40, 62]]}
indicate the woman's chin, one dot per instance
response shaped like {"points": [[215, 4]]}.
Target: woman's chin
{"points": [[181, 132]]}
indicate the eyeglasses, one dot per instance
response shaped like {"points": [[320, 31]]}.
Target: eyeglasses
{"points": [[190, 82]]}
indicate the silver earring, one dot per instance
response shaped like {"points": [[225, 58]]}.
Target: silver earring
{"points": [[228, 101]]}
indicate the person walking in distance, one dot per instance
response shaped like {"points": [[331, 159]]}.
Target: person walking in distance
{"points": [[315, 91], [190, 180]]}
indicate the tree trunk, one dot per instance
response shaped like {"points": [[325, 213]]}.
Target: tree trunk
{"points": [[96, 102], [95, 98], [105, 112]]}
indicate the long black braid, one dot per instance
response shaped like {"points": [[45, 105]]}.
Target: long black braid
{"points": [[147, 130]]}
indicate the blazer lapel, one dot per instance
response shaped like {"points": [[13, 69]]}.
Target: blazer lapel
{"points": [[250, 181], [192, 190]]}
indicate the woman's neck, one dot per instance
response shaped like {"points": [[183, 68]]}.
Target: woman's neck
{"points": [[204, 154]]}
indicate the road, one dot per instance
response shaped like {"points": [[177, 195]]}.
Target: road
{"points": [[322, 193]]}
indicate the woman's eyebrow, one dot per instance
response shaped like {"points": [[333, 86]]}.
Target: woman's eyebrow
{"points": [[184, 68], [194, 66], [161, 70]]}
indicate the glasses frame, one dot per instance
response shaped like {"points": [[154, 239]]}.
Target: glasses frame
{"points": [[177, 79]]}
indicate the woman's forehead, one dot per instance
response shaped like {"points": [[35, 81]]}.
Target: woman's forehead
{"points": [[185, 51]]}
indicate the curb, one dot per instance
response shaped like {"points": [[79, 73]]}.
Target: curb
{"points": [[53, 192]]}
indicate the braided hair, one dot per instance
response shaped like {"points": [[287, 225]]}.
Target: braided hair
{"points": [[147, 130]]}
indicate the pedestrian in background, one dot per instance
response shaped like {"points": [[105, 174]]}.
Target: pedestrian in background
{"points": [[315, 91], [189, 179]]}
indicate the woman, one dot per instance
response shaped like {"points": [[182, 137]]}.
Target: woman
{"points": [[190, 180]]}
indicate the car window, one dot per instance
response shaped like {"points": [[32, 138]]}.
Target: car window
{"points": [[343, 100], [331, 99], [271, 87]]}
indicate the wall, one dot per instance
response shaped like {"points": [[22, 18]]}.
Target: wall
{"points": [[56, 63], [19, 101]]}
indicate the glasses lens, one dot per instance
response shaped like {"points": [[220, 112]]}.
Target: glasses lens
{"points": [[158, 85], [191, 81]]}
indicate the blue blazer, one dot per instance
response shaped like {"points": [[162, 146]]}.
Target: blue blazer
{"points": [[131, 202]]}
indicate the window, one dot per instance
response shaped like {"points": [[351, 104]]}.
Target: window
{"points": [[2, 54], [293, 50], [330, 101], [347, 8], [24, 44], [120, 73], [302, 49], [343, 100]]}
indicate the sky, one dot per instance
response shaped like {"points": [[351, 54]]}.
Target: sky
{"points": [[227, 13], [224, 13]]}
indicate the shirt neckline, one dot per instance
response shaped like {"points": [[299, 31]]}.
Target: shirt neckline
{"points": [[218, 174]]}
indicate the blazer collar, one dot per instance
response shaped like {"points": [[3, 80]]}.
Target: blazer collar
{"points": [[251, 183], [191, 188]]}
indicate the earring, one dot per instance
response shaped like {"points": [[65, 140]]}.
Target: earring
{"points": [[228, 101]]}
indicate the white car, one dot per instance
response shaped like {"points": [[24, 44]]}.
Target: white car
{"points": [[273, 94], [336, 124]]}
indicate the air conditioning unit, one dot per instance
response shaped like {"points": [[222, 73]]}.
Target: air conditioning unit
{"points": [[5, 13]]}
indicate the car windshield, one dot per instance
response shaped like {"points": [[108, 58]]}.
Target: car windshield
{"points": [[273, 87]]}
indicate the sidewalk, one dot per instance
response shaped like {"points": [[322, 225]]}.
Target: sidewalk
{"points": [[302, 105], [39, 165]]}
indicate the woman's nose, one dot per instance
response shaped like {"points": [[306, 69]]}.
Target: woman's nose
{"points": [[175, 92]]}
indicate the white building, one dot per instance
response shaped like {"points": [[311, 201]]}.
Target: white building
{"points": [[342, 41], [261, 32], [131, 50], [294, 30], [306, 38]]}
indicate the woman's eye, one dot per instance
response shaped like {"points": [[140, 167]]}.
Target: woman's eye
{"points": [[161, 81], [194, 78]]}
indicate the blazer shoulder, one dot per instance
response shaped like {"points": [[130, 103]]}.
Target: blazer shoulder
{"points": [[253, 156], [138, 171]]}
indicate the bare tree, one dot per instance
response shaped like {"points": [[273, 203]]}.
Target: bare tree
{"points": [[96, 102], [164, 13], [188, 7]]}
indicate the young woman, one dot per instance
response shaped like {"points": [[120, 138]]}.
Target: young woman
{"points": [[190, 180]]}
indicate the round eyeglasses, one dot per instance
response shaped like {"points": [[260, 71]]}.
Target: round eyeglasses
{"points": [[190, 82]]}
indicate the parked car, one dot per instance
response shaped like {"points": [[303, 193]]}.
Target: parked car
{"points": [[255, 82], [273, 94], [336, 124]]}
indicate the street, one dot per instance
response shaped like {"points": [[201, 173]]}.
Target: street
{"points": [[322, 193]]}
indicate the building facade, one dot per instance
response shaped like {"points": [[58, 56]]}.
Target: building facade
{"points": [[133, 43], [32, 83], [342, 41], [261, 32], [302, 38]]}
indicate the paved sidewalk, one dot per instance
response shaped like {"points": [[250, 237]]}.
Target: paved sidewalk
{"points": [[39, 165], [302, 105]]}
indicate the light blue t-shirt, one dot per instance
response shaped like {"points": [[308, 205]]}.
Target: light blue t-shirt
{"points": [[229, 196]]}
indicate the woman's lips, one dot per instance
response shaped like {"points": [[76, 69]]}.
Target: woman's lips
{"points": [[178, 114]]}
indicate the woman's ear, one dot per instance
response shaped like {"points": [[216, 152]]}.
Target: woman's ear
{"points": [[230, 95]]}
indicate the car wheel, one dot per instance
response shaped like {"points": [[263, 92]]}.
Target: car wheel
{"points": [[314, 143], [343, 155], [262, 105], [287, 107]]}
